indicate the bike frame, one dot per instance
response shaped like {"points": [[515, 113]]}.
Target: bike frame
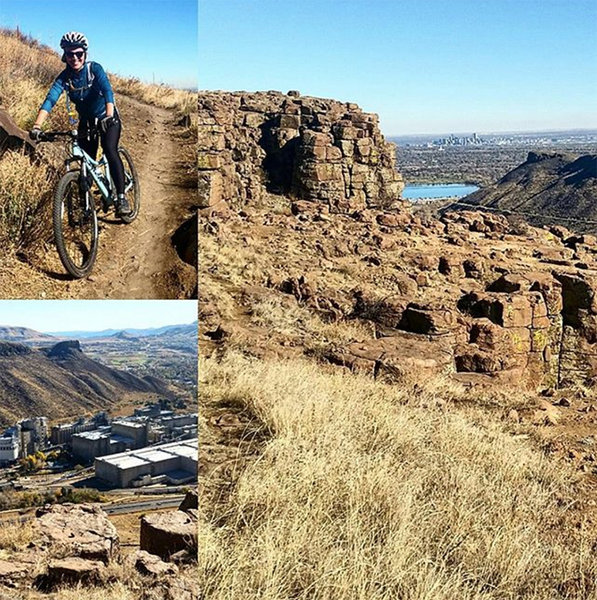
{"points": [[78, 154], [90, 165]]}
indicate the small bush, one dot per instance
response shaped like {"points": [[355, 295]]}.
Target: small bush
{"points": [[26, 189]]}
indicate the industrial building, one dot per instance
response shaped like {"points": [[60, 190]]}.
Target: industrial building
{"points": [[110, 439], [9, 447], [174, 463]]}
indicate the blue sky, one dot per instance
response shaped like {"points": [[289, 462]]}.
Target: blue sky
{"points": [[426, 66], [148, 39], [95, 315]]}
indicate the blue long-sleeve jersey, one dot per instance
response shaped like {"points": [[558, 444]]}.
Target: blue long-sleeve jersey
{"points": [[89, 88]]}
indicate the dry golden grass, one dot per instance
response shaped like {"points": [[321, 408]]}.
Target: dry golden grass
{"points": [[184, 102], [369, 491], [27, 189], [15, 537], [27, 70]]}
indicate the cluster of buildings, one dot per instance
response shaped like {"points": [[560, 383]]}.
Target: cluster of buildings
{"points": [[88, 439], [452, 140], [23, 438], [175, 463]]}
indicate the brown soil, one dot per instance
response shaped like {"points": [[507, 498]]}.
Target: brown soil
{"points": [[136, 260]]}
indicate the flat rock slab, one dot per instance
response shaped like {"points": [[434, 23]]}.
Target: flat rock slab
{"points": [[82, 530], [14, 570], [75, 570], [150, 564]]}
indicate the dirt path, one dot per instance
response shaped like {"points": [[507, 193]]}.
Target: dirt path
{"points": [[136, 260]]}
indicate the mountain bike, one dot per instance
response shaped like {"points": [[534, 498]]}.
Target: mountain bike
{"points": [[74, 213]]}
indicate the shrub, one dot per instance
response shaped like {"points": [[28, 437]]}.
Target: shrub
{"points": [[26, 190]]}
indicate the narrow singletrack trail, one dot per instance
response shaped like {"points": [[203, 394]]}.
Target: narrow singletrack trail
{"points": [[137, 260]]}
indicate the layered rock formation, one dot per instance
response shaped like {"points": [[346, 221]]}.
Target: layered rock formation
{"points": [[472, 294], [321, 151]]}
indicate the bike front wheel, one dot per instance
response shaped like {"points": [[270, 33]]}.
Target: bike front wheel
{"points": [[75, 226], [131, 185]]}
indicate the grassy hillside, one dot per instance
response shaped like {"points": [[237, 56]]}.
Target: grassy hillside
{"points": [[320, 483], [371, 491], [27, 69]]}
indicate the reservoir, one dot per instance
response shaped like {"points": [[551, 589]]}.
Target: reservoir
{"points": [[439, 190]]}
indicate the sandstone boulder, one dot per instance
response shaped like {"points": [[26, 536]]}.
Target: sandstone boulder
{"points": [[163, 534], [82, 530]]}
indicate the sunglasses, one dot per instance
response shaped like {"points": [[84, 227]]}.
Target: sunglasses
{"points": [[78, 55]]}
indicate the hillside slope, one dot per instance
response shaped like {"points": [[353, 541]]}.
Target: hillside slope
{"points": [[558, 185], [149, 258], [61, 381], [23, 334]]}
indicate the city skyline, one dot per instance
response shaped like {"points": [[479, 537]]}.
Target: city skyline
{"points": [[424, 67]]}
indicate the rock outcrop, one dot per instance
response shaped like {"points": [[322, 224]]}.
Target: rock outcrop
{"points": [[81, 531], [165, 534], [319, 151], [470, 293], [77, 545], [548, 188]]}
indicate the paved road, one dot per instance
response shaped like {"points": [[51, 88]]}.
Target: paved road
{"points": [[114, 509], [128, 507]]}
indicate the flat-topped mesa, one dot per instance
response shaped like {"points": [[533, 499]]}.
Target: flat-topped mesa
{"points": [[312, 149]]}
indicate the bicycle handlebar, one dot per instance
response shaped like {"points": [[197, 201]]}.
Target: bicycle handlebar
{"points": [[50, 136]]}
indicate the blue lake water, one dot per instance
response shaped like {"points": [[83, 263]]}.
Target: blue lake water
{"points": [[441, 190]]}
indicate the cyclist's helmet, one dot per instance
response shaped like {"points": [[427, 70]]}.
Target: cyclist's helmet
{"points": [[73, 39]]}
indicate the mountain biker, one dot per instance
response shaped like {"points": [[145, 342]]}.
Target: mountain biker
{"points": [[87, 85]]}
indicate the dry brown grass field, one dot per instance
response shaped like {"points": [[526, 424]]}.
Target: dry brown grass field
{"points": [[366, 490], [319, 483]]}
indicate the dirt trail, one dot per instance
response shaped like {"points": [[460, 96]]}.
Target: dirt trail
{"points": [[136, 260]]}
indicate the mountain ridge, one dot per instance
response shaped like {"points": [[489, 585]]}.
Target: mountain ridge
{"points": [[557, 185], [62, 381]]}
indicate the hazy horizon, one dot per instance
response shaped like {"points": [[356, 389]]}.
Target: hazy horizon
{"points": [[95, 315]]}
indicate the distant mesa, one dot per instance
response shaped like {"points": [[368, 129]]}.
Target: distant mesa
{"points": [[64, 349], [22, 334], [556, 185]]}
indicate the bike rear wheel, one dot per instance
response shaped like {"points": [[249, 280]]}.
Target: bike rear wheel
{"points": [[131, 185], [75, 226]]}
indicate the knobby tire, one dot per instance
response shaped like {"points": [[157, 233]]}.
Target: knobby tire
{"points": [[77, 255], [135, 199]]}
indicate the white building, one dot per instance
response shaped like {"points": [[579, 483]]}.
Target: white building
{"points": [[174, 463], [9, 448]]}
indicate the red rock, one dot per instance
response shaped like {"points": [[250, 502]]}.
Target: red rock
{"points": [[165, 533]]}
